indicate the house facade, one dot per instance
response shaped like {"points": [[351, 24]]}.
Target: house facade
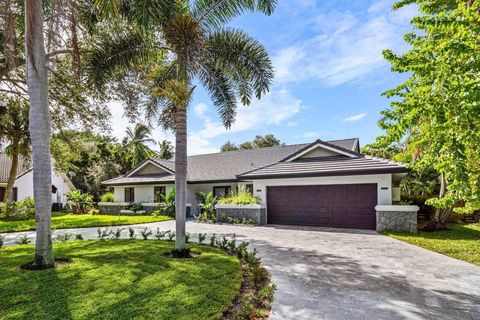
{"points": [[324, 183], [23, 186]]}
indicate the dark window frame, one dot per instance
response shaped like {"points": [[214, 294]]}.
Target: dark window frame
{"points": [[129, 194], [14, 195], [156, 196], [249, 188], [227, 190]]}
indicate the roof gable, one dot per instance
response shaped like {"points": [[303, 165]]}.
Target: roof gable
{"points": [[149, 167], [320, 149]]}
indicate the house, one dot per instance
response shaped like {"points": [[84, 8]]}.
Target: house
{"points": [[324, 183], [23, 186]]}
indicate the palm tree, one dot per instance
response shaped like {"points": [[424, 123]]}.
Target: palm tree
{"points": [[14, 130], [40, 131], [137, 140], [187, 43], [166, 150]]}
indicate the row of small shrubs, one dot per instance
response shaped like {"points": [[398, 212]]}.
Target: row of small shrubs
{"points": [[241, 199]]}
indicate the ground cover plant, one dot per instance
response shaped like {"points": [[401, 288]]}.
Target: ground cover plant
{"points": [[64, 220], [460, 241]]}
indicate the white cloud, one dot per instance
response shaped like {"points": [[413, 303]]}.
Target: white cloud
{"points": [[356, 117], [274, 109], [345, 47], [292, 124], [310, 134]]}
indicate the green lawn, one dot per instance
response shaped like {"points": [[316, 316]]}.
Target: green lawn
{"points": [[462, 241], [62, 220], [119, 279]]}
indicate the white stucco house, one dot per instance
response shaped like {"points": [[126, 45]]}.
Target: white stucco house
{"points": [[323, 183], [23, 187]]}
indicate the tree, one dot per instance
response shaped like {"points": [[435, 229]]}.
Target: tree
{"points": [[136, 144], [228, 146], [195, 45], [268, 140], [436, 110], [14, 131], [246, 145], [40, 128], [166, 150]]}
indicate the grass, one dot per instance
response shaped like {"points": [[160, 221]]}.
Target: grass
{"points": [[63, 220], [461, 241], [119, 279]]}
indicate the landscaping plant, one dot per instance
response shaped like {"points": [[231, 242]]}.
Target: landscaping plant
{"points": [[23, 240], [241, 199], [78, 237], [117, 234], [146, 233], [102, 234], [2, 240], [201, 237], [18, 210], [207, 203], [167, 205], [107, 197], [159, 235], [79, 202], [63, 237], [131, 233]]}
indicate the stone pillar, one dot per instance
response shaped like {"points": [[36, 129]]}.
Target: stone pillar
{"points": [[396, 217]]}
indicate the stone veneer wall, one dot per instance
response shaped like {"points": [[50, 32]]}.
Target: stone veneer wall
{"points": [[400, 218], [114, 208], [257, 213]]}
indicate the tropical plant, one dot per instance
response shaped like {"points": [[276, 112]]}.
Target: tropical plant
{"points": [[201, 237], [78, 237], [206, 202], [117, 234], [137, 141], [242, 198], [135, 206], [146, 233], [14, 132], [102, 234], [131, 233], [23, 240], [63, 237], [79, 202], [18, 210], [228, 146], [194, 44], [166, 150], [108, 197], [2, 241], [435, 111], [167, 204]]}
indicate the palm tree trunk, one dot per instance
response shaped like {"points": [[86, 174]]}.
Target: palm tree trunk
{"points": [[180, 176], [13, 170], [40, 131]]}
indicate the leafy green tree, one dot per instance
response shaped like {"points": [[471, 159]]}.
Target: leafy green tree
{"points": [[194, 45], [246, 145], [228, 146], [166, 150], [14, 132], [137, 141], [268, 140], [436, 111]]}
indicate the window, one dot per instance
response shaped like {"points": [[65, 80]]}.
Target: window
{"points": [[249, 188], [157, 192], [14, 194], [129, 194], [222, 192]]}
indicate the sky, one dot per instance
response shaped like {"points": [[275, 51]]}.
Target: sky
{"points": [[329, 76]]}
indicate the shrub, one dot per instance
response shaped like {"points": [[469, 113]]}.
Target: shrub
{"points": [[94, 212], [207, 203], [79, 237], [79, 202], [171, 235], [23, 240], [201, 237], [18, 210], [117, 233], [242, 198], [146, 233], [235, 220], [63, 237], [167, 206], [135, 206], [2, 241], [102, 234], [107, 197], [212, 240], [160, 234], [131, 233]]}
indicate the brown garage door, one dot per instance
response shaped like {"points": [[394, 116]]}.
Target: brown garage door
{"points": [[340, 206]]}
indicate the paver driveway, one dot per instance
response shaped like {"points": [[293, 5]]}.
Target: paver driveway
{"points": [[349, 274]]}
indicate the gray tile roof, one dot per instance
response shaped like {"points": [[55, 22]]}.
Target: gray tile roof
{"points": [[6, 164], [326, 166], [229, 166]]}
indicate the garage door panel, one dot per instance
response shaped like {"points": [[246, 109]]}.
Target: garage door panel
{"points": [[346, 206]]}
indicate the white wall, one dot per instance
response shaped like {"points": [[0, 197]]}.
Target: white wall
{"points": [[143, 193], [382, 181], [24, 186]]}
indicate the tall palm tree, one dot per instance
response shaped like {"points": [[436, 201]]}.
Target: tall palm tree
{"points": [[186, 43], [14, 132], [137, 140], [166, 150], [40, 131]]}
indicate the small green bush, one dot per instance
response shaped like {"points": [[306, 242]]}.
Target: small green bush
{"points": [[241, 199], [23, 240], [107, 197], [79, 202], [2, 240], [18, 210], [135, 206]]}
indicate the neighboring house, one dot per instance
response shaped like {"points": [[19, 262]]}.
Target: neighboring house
{"points": [[320, 183], [23, 187]]}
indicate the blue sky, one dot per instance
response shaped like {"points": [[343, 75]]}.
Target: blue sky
{"points": [[329, 75]]}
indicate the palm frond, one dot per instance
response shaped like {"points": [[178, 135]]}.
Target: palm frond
{"points": [[120, 51], [216, 13], [244, 60], [221, 90]]}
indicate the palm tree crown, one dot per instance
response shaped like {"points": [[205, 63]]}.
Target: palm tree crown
{"points": [[137, 143]]}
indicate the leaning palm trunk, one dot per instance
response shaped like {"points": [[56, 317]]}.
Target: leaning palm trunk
{"points": [[13, 170], [441, 215], [39, 126], [180, 176]]}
